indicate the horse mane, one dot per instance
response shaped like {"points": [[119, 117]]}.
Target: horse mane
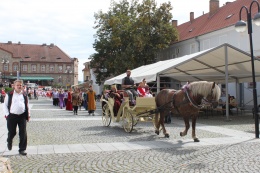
{"points": [[204, 88]]}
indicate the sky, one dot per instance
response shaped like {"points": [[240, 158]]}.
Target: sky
{"points": [[69, 23]]}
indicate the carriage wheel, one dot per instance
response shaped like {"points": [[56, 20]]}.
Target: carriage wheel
{"points": [[106, 115], [135, 119], [128, 121]]}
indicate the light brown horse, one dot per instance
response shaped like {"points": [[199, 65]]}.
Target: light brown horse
{"points": [[186, 102]]}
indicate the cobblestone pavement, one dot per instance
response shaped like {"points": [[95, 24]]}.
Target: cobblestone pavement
{"points": [[59, 141]]}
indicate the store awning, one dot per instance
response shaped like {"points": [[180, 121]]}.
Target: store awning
{"points": [[32, 78]]}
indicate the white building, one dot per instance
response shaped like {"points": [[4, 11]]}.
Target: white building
{"points": [[213, 29]]}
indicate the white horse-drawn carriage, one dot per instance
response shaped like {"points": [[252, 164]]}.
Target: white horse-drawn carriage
{"points": [[144, 110]]}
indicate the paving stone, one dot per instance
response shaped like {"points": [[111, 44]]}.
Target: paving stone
{"points": [[58, 141]]}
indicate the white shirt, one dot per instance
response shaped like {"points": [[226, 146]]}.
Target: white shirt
{"points": [[17, 105]]}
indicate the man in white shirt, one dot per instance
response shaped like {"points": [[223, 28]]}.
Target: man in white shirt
{"points": [[16, 110]]}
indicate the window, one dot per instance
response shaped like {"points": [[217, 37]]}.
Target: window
{"points": [[60, 68], [51, 68], [175, 53], [68, 69], [250, 85], [178, 86], [34, 68], [6, 67], [24, 67], [15, 67], [42, 68], [206, 44], [192, 48]]}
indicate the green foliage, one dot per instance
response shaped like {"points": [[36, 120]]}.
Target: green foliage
{"points": [[129, 35], [7, 89]]}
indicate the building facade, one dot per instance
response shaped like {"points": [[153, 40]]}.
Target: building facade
{"points": [[86, 72], [44, 64], [213, 29]]}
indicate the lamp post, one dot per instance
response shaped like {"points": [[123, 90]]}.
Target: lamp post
{"points": [[20, 70], [241, 27]]}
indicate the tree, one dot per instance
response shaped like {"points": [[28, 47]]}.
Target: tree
{"points": [[129, 35]]}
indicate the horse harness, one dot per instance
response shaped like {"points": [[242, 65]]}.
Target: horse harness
{"points": [[188, 100]]}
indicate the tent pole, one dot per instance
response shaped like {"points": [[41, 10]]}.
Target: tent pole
{"points": [[238, 97], [158, 83], [226, 80]]}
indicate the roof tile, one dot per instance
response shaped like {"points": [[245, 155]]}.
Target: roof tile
{"points": [[226, 16], [47, 53]]}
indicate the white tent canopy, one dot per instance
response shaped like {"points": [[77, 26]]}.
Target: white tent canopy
{"points": [[208, 65]]}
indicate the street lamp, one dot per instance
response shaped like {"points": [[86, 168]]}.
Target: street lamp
{"points": [[20, 70], [241, 27]]}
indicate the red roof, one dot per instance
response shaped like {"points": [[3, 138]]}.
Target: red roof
{"points": [[46, 53], [226, 16]]}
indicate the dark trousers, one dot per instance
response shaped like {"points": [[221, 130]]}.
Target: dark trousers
{"points": [[12, 122], [65, 101], [91, 111], [56, 101], [75, 109]]}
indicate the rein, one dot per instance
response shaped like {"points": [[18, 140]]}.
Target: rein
{"points": [[191, 101]]}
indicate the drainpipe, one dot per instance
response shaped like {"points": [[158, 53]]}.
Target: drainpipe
{"points": [[198, 41]]}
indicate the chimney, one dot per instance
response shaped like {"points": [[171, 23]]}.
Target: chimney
{"points": [[9, 42], [19, 42], [52, 45], [175, 23], [213, 7], [44, 44], [191, 17]]}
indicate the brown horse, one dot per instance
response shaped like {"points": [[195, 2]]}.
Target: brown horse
{"points": [[186, 102]]}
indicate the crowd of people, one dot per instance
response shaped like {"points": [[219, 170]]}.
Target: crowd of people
{"points": [[74, 99]]}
